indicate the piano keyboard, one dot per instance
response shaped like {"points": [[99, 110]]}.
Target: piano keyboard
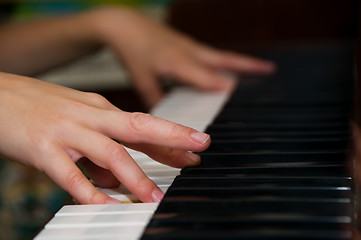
{"points": [[276, 168], [127, 221]]}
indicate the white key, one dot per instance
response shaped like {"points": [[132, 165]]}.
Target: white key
{"points": [[93, 233], [97, 209], [162, 173], [104, 220], [122, 195]]}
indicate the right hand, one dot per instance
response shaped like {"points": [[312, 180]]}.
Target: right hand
{"points": [[51, 127]]}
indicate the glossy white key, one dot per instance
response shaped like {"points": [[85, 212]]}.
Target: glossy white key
{"points": [[114, 219], [93, 233], [120, 194], [71, 210], [165, 181], [160, 173]]}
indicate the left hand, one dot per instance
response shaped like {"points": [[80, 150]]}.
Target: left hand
{"points": [[151, 50], [50, 127]]}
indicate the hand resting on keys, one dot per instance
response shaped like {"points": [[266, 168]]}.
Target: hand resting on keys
{"points": [[51, 127]]}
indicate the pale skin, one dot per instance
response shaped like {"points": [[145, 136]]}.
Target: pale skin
{"points": [[51, 127]]}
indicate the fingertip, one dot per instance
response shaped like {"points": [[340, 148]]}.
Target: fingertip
{"points": [[228, 82], [269, 67], [249, 64], [148, 88], [112, 201], [200, 138], [91, 196], [219, 81], [157, 195], [192, 158]]}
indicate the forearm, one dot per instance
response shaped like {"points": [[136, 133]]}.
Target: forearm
{"points": [[32, 47]]}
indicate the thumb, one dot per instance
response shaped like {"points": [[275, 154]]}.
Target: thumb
{"points": [[148, 87]]}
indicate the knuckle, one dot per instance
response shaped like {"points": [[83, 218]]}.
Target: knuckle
{"points": [[172, 153], [43, 143], [43, 146], [176, 157], [115, 152], [70, 109], [177, 131], [172, 64], [95, 198], [176, 67], [74, 178], [98, 99], [144, 184], [139, 121]]}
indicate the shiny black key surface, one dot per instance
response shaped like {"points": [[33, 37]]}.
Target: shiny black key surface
{"points": [[277, 167]]}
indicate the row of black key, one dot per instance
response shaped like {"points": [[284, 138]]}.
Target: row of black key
{"points": [[276, 168]]}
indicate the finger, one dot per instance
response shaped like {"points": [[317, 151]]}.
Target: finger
{"points": [[147, 86], [199, 75], [144, 128], [96, 100], [110, 155], [169, 156], [234, 62], [67, 175], [101, 177]]}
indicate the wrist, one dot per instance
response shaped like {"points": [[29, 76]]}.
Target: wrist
{"points": [[106, 22], [119, 27]]}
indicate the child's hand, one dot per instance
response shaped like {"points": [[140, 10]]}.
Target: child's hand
{"points": [[151, 50], [51, 127]]}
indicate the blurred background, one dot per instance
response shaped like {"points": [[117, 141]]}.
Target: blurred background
{"points": [[28, 198]]}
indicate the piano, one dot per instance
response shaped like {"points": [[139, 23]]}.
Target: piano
{"points": [[281, 164]]}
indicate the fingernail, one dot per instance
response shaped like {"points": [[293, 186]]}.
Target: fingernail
{"points": [[199, 137], [112, 201], [193, 157], [157, 195]]}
